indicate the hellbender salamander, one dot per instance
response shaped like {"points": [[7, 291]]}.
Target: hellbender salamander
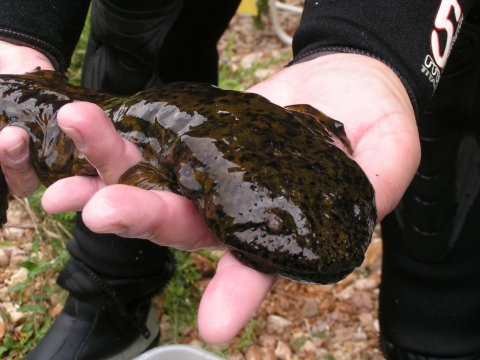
{"points": [[274, 184]]}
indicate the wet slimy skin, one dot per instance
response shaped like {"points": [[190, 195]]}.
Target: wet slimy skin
{"points": [[274, 184]]}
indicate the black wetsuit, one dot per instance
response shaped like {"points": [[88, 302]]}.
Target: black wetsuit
{"points": [[431, 275]]}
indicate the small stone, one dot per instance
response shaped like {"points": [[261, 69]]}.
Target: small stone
{"points": [[359, 336], [4, 260], [342, 334], [310, 309], [263, 74], [16, 316], [376, 325], [336, 315], [300, 334], [362, 300], [18, 331], [267, 341], [248, 60], [340, 355], [277, 324], [233, 67], [196, 343], [18, 277], [236, 355], [15, 233], [18, 259], [366, 320], [283, 351], [256, 352], [309, 346], [365, 284], [4, 295], [319, 327], [346, 293], [322, 353]]}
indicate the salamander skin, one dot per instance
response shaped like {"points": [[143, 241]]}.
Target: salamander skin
{"points": [[274, 184]]}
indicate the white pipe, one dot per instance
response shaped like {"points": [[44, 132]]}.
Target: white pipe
{"points": [[273, 6], [294, 9]]}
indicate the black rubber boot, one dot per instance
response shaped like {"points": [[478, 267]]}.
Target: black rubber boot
{"points": [[96, 323], [430, 290]]}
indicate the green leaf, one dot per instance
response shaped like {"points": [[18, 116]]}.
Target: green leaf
{"points": [[7, 342], [35, 308], [29, 265], [36, 244], [47, 288], [27, 326], [3, 349], [7, 243], [40, 297], [18, 287]]}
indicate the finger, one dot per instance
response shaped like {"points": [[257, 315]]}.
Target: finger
{"points": [[15, 160], [160, 216], [231, 299], [96, 137], [70, 194]]}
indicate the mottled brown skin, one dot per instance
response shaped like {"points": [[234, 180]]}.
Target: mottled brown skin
{"points": [[274, 184]]}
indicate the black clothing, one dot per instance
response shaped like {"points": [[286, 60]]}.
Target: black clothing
{"points": [[51, 27], [397, 32], [430, 290]]}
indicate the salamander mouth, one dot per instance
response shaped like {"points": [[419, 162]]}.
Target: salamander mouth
{"points": [[295, 274]]}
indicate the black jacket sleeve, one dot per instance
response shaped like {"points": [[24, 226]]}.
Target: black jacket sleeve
{"points": [[412, 37], [52, 27]]}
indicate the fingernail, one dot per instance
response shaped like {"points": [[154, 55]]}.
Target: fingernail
{"points": [[76, 136], [17, 151]]}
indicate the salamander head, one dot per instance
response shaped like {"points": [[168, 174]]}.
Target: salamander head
{"points": [[288, 201], [301, 233]]}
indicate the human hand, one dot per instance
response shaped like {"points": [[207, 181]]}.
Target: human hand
{"points": [[14, 154], [234, 293], [371, 102]]}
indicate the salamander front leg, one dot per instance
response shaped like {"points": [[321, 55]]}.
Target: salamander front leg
{"points": [[146, 176]]}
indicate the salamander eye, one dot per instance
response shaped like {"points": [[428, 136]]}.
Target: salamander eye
{"points": [[275, 223]]}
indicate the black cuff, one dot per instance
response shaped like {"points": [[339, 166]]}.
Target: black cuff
{"points": [[52, 27]]}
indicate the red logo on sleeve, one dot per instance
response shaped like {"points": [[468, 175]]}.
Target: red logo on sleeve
{"points": [[446, 26]]}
